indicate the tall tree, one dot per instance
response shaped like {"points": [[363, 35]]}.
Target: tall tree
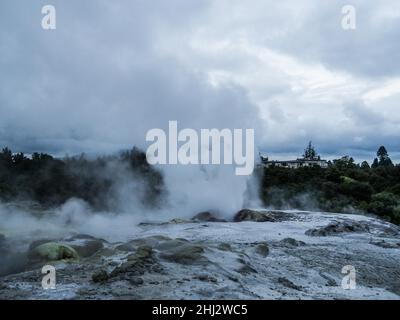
{"points": [[365, 165], [383, 157], [310, 153], [375, 164]]}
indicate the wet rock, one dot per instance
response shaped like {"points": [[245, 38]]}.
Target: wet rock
{"points": [[142, 253], [172, 221], [52, 251], [262, 249], [171, 244], [386, 245], [225, 246], [132, 245], [251, 215], [386, 230], [330, 282], [149, 224], [206, 278], [337, 228], [105, 252], [126, 247], [157, 269], [140, 262], [177, 221], [129, 269], [262, 216], [125, 294], [136, 281], [290, 242], [246, 268], [88, 247], [85, 245], [207, 216], [288, 284], [186, 254], [100, 276], [84, 293]]}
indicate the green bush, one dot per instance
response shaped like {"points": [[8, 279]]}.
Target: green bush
{"points": [[360, 191], [386, 205]]}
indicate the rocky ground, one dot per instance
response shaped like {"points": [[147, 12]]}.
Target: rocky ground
{"points": [[257, 255]]}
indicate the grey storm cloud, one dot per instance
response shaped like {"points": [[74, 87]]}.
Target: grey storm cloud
{"points": [[113, 70], [98, 83], [371, 50]]}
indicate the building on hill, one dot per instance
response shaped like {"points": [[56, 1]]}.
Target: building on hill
{"points": [[310, 158], [293, 164]]}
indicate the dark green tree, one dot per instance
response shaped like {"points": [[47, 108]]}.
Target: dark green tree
{"points": [[375, 164], [345, 162], [383, 157], [365, 165], [6, 155], [310, 153]]}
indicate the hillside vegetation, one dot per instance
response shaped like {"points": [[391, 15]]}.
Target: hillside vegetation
{"points": [[343, 186]]}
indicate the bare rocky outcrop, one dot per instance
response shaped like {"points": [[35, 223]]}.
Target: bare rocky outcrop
{"points": [[290, 242], [261, 216], [252, 215], [380, 228], [207, 216], [386, 244], [338, 227]]}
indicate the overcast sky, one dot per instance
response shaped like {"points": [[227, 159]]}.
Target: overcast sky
{"points": [[112, 70]]}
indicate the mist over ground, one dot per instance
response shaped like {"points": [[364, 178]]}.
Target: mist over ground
{"points": [[108, 197]]}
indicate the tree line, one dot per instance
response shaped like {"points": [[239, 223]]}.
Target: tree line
{"points": [[50, 181]]}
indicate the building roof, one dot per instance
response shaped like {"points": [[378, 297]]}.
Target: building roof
{"points": [[295, 161]]}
